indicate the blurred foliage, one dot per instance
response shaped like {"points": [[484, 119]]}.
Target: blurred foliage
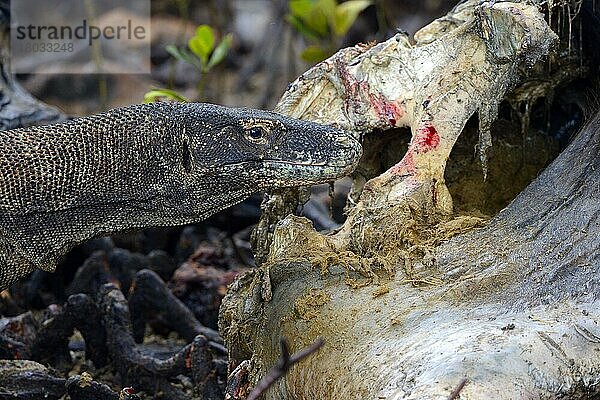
{"points": [[203, 53], [322, 23], [157, 94]]}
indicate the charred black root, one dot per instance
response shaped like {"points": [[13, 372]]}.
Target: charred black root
{"points": [[149, 294], [103, 320]]}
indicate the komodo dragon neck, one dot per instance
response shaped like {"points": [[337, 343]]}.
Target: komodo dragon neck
{"points": [[141, 166]]}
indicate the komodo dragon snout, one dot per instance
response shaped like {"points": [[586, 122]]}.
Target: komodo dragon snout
{"points": [[141, 166]]}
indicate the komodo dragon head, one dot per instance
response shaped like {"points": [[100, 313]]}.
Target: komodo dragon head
{"points": [[160, 164], [239, 151]]}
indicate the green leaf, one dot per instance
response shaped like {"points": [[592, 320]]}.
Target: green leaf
{"points": [[203, 43], [317, 21], [156, 94], [311, 16], [183, 55], [314, 54], [174, 51], [207, 35], [346, 14], [303, 29], [220, 51], [301, 8], [327, 8]]}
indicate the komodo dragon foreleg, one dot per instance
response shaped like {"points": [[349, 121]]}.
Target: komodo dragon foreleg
{"points": [[148, 165]]}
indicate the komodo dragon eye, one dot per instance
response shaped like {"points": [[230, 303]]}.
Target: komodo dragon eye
{"points": [[258, 131], [256, 134]]}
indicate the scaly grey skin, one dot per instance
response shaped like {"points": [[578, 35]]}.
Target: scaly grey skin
{"points": [[141, 166]]}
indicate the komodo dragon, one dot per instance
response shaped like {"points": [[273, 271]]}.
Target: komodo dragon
{"points": [[160, 164]]}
